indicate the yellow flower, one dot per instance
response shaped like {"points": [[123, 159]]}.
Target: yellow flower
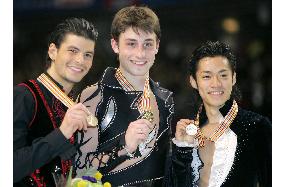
{"points": [[82, 183], [107, 184], [98, 176]]}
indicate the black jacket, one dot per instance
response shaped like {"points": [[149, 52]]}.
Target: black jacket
{"points": [[253, 156], [37, 142], [122, 105]]}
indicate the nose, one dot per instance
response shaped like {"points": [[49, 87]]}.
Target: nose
{"points": [[140, 52], [216, 82], [80, 58]]}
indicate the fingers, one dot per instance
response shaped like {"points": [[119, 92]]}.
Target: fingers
{"points": [[80, 106], [141, 127], [80, 119], [182, 124], [74, 119], [186, 121], [137, 132], [143, 123], [181, 129]]}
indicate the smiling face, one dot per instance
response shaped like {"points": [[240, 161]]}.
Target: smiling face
{"points": [[214, 81], [72, 60], [136, 52]]}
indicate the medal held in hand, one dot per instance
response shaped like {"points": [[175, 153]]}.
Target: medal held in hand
{"points": [[148, 115], [61, 96], [191, 129], [92, 120]]}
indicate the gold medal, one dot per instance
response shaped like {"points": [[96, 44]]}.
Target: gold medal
{"points": [[92, 120], [148, 115], [61, 96]]}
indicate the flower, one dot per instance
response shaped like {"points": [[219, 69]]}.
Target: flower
{"points": [[98, 176], [88, 178], [107, 184], [82, 183]]}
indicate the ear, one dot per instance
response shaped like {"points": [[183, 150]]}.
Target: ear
{"points": [[157, 46], [52, 51], [234, 78], [114, 46], [193, 82]]}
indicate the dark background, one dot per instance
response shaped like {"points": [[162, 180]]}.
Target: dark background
{"points": [[246, 25]]}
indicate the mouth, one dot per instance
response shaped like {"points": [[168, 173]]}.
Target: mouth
{"points": [[140, 63], [216, 93], [76, 69]]}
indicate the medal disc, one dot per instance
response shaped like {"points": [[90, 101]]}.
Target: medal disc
{"points": [[92, 120], [191, 129]]}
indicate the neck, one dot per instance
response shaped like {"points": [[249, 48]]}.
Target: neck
{"points": [[137, 82], [67, 89], [67, 86], [213, 114]]}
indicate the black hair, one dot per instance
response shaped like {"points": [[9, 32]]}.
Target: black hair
{"points": [[213, 49], [77, 26]]}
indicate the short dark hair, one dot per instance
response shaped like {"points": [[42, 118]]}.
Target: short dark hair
{"points": [[76, 26], [213, 49], [137, 17]]}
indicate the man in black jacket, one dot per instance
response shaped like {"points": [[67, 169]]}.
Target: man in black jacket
{"points": [[134, 112], [221, 144], [43, 127]]}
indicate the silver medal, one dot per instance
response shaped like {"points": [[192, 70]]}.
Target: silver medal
{"points": [[191, 129]]}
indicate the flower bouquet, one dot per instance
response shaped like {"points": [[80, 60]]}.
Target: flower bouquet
{"points": [[88, 178]]}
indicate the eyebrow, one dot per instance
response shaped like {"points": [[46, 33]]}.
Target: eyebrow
{"points": [[74, 47], [221, 71], [130, 39], [134, 40], [149, 40]]}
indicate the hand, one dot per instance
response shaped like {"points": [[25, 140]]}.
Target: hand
{"points": [[74, 119], [136, 133], [181, 134]]}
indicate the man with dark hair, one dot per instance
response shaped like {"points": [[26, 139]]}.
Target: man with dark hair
{"points": [[43, 128], [134, 113], [223, 145]]}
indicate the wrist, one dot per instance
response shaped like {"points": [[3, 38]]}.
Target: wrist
{"points": [[128, 152], [66, 135], [179, 143]]}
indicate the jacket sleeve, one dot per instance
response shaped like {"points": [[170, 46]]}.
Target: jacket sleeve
{"points": [[263, 150], [179, 173], [178, 170], [29, 157]]}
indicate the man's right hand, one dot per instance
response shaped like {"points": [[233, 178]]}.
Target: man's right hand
{"points": [[136, 133], [181, 134], [74, 119]]}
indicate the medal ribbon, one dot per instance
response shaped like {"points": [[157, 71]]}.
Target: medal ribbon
{"points": [[123, 81], [144, 101], [55, 90], [225, 124], [61, 96], [144, 105]]}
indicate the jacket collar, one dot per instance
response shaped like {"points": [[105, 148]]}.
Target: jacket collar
{"points": [[224, 110], [109, 80], [71, 93]]}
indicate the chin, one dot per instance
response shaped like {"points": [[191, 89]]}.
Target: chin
{"points": [[75, 80], [216, 103], [140, 72]]}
